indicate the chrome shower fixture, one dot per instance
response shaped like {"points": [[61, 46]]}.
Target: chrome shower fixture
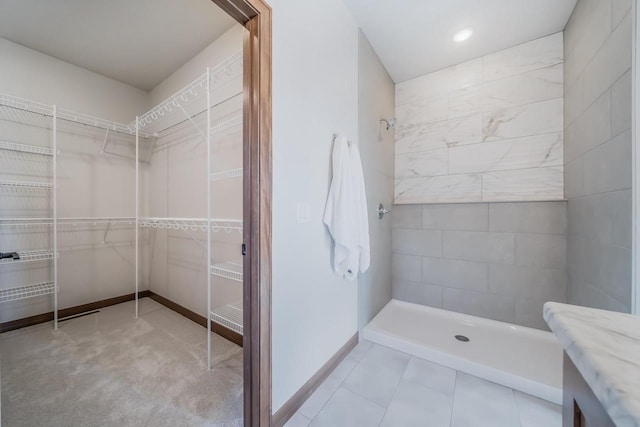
{"points": [[391, 123]]}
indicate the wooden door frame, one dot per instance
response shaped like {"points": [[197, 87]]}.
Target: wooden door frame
{"points": [[255, 16]]}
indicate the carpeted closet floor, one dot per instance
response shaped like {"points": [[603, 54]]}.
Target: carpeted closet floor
{"points": [[108, 369]]}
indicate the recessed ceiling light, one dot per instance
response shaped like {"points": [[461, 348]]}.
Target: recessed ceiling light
{"points": [[463, 35]]}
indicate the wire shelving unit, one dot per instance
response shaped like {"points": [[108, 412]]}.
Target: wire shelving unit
{"points": [[228, 270], [27, 291], [24, 148], [157, 121], [228, 174], [30, 256], [229, 315], [145, 127], [25, 185]]}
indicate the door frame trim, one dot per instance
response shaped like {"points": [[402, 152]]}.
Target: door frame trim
{"points": [[255, 17]]}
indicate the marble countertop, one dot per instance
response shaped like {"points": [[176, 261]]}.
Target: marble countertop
{"points": [[605, 347]]}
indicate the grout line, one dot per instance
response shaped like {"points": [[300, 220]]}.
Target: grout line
{"points": [[386, 409], [453, 398]]}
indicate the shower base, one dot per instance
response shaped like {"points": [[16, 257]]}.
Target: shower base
{"points": [[525, 359]]}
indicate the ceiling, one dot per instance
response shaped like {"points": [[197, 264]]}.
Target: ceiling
{"points": [[139, 42], [415, 37]]}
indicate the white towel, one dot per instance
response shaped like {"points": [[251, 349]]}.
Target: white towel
{"points": [[346, 211]]}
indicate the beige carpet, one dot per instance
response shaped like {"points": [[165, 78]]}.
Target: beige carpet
{"points": [[108, 369]]}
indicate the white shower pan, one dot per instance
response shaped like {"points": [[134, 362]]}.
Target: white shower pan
{"points": [[525, 359]]}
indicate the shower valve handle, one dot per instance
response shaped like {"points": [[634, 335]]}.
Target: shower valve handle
{"points": [[382, 211]]}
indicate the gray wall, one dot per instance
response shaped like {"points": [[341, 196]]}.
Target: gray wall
{"points": [[598, 41], [376, 94], [496, 260]]}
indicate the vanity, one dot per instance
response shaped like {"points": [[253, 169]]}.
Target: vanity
{"points": [[601, 372]]}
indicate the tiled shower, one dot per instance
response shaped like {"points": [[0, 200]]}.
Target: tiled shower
{"points": [[513, 175]]}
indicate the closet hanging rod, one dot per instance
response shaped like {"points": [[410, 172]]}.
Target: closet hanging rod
{"points": [[219, 75]]}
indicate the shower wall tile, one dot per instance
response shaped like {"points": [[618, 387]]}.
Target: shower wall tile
{"points": [[574, 178], [498, 260], [428, 163], [417, 293], [534, 86], [497, 307], [501, 112], [525, 120], [442, 189], [609, 165], [523, 184], [428, 109], [406, 216], [588, 29], [621, 104], [444, 134], [460, 216], [479, 246], [519, 153], [406, 267], [455, 274], [620, 9], [590, 129], [525, 57], [542, 217], [541, 250], [610, 62], [417, 242], [440, 82]]}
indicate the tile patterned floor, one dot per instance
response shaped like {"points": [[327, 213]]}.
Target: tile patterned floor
{"points": [[378, 386]]}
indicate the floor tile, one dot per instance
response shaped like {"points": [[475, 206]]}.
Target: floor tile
{"points": [[480, 403], [415, 405], [320, 397], [378, 374], [298, 420], [347, 409], [431, 375], [360, 350], [536, 412]]}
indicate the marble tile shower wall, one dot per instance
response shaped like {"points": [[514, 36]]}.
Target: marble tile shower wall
{"points": [[597, 152], [490, 129], [501, 261]]}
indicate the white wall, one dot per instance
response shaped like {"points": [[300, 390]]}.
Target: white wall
{"points": [[315, 94], [489, 129], [376, 94], [27, 73], [222, 48]]}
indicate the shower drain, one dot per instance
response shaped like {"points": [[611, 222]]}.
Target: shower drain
{"points": [[462, 338]]}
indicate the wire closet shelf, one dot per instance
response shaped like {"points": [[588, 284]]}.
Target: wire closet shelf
{"points": [[22, 106], [217, 77], [192, 224], [27, 291]]}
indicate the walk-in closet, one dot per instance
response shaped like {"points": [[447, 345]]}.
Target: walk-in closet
{"points": [[121, 213]]}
